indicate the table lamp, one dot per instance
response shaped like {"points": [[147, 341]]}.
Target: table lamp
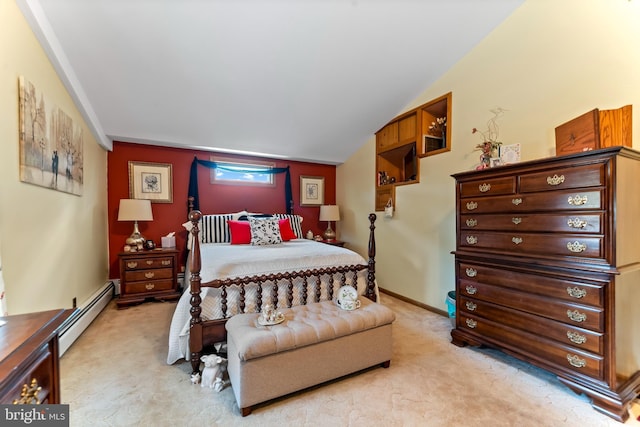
{"points": [[135, 210], [329, 213]]}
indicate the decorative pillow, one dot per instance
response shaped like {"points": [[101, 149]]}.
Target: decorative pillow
{"points": [[240, 232], [265, 231], [295, 221], [285, 230], [214, 228]]}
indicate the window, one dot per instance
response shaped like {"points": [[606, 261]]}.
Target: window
{"points": [[234, 172]]}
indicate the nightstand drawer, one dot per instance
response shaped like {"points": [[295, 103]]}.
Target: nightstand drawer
{"points": [[150, 274], [145, 263], [148, 286]]}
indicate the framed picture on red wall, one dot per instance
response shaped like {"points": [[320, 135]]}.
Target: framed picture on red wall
{"points": [[151, 181], [311, 190]]}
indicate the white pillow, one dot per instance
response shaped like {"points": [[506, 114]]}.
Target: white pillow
{"points": [[265, 231]]}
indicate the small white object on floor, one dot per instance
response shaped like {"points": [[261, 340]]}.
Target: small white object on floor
{"points": [[213, 373]]}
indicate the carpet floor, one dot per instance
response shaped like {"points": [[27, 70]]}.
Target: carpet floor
{"points": [[116, 374]]}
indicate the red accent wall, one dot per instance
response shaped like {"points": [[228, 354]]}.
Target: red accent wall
{"points": [[218, 198]]}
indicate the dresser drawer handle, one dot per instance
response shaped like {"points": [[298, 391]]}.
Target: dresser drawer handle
{"points": [[149, 274], [555, 180], [471, 306], [149, 286], [472, 205], [516, 221], [166, 262], [471, 290], [471, 272], [576, 338], [577, 292], [516, 240], [576, 316], [471, 323], [576, 247], [577, 200], [149, 262], [472, 222], [576, 361], [577, 223], [29, 394], [132, 264], [472, 240], [484, 187], [516, 201]]}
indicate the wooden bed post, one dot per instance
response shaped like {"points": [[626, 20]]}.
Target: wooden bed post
{"points": [[195, 324], [371, 269]]}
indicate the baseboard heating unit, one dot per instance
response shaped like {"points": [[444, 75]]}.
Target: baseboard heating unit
{"points": [[84, 315]]}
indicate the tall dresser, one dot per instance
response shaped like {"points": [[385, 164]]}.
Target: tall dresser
{"points": [[548, 269]]}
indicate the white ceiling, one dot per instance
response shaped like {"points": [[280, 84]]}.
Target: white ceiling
{"points": [[305, 80]]}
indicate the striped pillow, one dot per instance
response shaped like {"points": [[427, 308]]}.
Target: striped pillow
{"points": [[295, 221], [214, 228]]}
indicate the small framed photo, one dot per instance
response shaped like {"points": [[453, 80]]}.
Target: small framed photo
{"points": [[151, 181], [311, 190], [495, 161]]}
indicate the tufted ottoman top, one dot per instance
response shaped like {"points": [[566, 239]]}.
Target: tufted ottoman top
{"points": [[303, 325]]}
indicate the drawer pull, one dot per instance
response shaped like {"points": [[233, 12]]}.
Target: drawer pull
{"points": [[555, 180], [471, 323], [149, 286], [149, 274], [472, 222], [516, 201], [166, 262], [577, 223], [516, 221], [516, 240], [484, 187], [471, 290], [472, 205], [577, 292], [471, 272], [576, 247], [576, 361], [471, 306], [29, 394], [576, 338], [149, 262], [576, 316], [472, 240], [577, 200], [132, 264]]}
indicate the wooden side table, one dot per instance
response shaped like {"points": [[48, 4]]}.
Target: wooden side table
{"points": [[148, 275], [333, 242]]}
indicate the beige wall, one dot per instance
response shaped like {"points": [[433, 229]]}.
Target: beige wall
{"points": [[547, 63], [54, 244]]}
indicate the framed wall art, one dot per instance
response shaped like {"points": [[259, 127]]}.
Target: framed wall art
{"points": [[311, 190], [151, 181]]}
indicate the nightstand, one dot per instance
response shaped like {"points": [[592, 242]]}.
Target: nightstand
{"points": [[333, 242], [148, 275]]}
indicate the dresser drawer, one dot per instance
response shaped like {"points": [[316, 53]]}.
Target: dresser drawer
{"points": [[573, 290], [145, 263], [565, 358], [577, 177], [149, 286], [564, 223], [150, 274], [557, 331], [489, 187], [582, 316], [41, 371], [552, 201]]}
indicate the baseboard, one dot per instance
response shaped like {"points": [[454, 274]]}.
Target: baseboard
{"points": [[84, 315], [414, 302]]}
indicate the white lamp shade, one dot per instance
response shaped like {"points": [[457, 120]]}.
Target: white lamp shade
{"points": [[135, 210], [329, 213]]}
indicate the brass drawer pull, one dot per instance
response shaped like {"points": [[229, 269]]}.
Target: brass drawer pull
{"points": [[471, 290], [471, 306], [471, 323], [516, 201], [149, 262], [132, 264], [576, 338], [471, 272], [555, 180], [576, 247], [472, 205], [577, 292], [516, 240], [577, 200], [484, 187], [576, 361], [576, 316], [149, 286], [166, 262], [29, 394], [576, 223], [472, 222], [149, 274], [472, 240], [516, 221]]}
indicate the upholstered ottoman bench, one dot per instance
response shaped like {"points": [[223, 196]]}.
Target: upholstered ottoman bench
{"points": [[315, 343]]}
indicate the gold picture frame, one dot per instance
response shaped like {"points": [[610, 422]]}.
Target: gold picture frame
{"points": [[151, 181], [311, 190]]}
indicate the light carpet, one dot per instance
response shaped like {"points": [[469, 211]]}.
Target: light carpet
{"points": [[116, 374]]}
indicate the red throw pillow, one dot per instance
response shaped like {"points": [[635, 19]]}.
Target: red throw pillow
{"points": [[286, 232], [240, 232]]}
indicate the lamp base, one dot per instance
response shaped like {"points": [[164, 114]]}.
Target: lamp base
{"points": [[329, 234], [136, 239]]}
